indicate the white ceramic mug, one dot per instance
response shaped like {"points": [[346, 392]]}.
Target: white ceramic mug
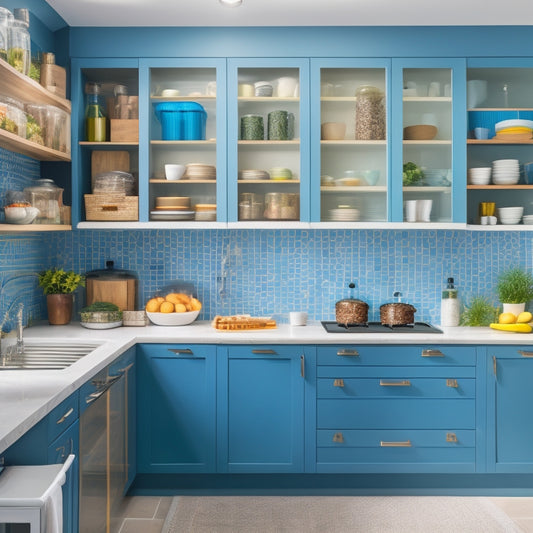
{"points": [[211, 89], [423, 210], [410, 210], [297, 318], [434, 89], [287, 86]]}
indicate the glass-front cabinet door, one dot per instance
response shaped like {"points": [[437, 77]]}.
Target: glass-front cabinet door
{"points": [[428, 158], [186, 163], [349, 139], [268, 132]]}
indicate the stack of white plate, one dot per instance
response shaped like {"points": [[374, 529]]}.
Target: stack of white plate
{"points": [[527, 220], [344, 213], [505, 171], [280, 173], [252, 174], [479, 175], [199, 171], [510, 215], [436, 177]]}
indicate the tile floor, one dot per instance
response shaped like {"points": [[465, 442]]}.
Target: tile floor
{"points": [[146, 514]]}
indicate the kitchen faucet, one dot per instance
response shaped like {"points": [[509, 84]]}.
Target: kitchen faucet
{"points": [[7, 353]]}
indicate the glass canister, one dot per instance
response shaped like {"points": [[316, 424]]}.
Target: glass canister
{"points": [[95, 117], [6, 17], [282, 206], [251, 206], [370, 122], [12, 116], [58, 129], [19, 46], [278, 126], [252, 128], [46, 196]]}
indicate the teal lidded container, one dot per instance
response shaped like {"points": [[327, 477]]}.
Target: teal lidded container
{"points": [[181, 121]]}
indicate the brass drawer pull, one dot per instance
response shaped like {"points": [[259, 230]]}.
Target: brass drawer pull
{"points": [[452, 383], [525, 354], [432, 353], [65, 416], [338, 382], [352, 353], [403, 383], [399, 444], [181, 351], [264, 352], [451, 437], [338, 437]]}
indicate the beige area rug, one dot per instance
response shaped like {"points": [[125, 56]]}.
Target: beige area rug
{"points": [[334, 514]]}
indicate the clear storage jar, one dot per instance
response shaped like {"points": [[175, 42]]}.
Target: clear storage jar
{"points": [[282, 206], [370, 122], [251, 206], [19, 46], [12, 116], [46, 196], [6, 17]]}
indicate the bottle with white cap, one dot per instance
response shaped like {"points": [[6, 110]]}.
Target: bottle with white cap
{"points": [[450, 305]]}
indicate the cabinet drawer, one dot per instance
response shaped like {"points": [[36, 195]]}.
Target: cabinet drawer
{"points": [[178, 350], [432, 355], [396, 387], [395, 413], [396, 372], [259, 350], [62, 416], [387, 438]]}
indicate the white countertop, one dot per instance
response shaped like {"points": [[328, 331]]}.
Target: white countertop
{"points": [[26, 396]]}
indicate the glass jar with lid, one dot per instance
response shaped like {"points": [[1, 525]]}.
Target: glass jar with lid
{"points": [[6, 17], [12, 116], [282, 206], [46, 196], [370, 122], [95, 116], [19, 46]]}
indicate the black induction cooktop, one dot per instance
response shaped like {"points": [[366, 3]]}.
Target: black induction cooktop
{"points": [[378, 327]]}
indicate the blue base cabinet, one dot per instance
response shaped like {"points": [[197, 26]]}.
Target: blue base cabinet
{"points": [[510, 418], [261, 409], [396, 409], [176, 393]]}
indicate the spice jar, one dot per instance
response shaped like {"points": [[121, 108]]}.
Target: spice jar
{"points": [[369, 114]]}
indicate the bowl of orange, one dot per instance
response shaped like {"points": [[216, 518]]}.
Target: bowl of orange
{"points": [[173, 309]]}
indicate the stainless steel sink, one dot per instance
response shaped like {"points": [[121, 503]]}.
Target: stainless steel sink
{"points": [[46, 356]]}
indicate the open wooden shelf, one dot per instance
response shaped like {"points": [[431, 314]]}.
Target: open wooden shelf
{"points": [[13, 142], [25, 228], [494, 187]]}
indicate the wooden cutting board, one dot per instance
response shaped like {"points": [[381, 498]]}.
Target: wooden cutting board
{"points": [[107, 160]]}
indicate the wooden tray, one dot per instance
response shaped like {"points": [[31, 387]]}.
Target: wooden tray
{"points": [[242, 323]]}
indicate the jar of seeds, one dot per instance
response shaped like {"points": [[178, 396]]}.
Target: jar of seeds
{"points": [[252, 128], [278, 126], [369, 114]]}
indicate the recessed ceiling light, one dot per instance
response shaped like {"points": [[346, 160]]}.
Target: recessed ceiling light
{"points": [[231, 3]]}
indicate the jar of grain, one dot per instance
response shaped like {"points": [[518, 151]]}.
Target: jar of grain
{"points": [[369, 114]]}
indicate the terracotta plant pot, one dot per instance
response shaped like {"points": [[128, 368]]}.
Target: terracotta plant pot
{"points": [[59, 308]]}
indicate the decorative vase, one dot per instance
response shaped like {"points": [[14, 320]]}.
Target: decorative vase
{"points": [[516, 309], [59, 308]]}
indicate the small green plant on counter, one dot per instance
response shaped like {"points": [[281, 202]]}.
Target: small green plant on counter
{"points": [[479, 313], [59, 281], [515, 286]]}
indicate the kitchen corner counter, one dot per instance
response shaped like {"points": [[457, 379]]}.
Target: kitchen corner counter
{"points": [[27, 396]]}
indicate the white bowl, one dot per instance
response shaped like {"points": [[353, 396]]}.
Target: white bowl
{"points": [[174, 172], [173, 319], [20, 215], [170, 93]]}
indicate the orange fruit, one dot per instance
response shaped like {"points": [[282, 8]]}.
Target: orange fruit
{"points": [[152, 306], [180, 308], [196, 305], [166, 307], [506, 318]]}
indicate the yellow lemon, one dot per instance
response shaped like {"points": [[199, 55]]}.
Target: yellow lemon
{"points": [[525, 316], [152, 306], [180, 308], [507, 318], [166, 307], [195, 304]]}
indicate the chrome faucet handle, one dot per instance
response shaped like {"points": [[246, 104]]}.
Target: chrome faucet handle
{"points": [[20, 330]]}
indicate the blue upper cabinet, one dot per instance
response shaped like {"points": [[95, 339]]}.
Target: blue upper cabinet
{"points": [[349, 140], [428, 137], [268, 141], [186, 125]]}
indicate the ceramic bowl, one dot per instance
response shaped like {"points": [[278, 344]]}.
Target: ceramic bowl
{"points": [[174, 172], [371, 176], [173, 319], [20, 215], [420, 132], [333, 131]]}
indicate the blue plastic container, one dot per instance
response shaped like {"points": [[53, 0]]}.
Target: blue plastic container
{"points": [[181, 121]]}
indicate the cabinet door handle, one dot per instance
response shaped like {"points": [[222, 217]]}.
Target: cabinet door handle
{"points": [[65, 416], [432, 353], [338, 382], [494, 366], [302, 366], [451, 437], [264, 352], [350, 353], [403, 383], [452, 383], [181, 351], [338, 437], [396, 444], [525, 354]]}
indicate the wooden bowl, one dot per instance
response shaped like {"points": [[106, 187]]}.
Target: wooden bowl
{"points": [[421, 132]]}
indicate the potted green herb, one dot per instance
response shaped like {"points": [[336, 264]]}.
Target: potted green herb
{"points": [[412, 174], [58, 286], [515, 289], [479, 313]]}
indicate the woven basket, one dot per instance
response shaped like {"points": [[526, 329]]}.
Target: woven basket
{"points": [[111, 207]]}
